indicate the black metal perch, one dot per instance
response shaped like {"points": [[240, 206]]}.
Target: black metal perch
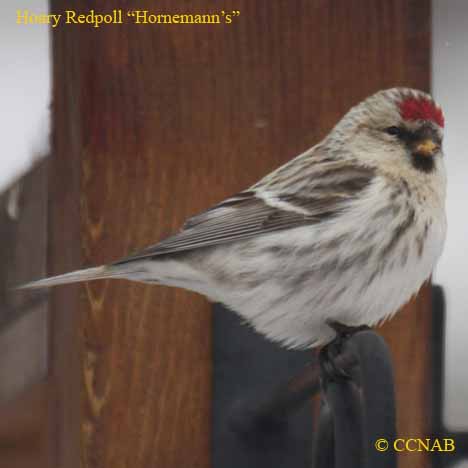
{"points": [[355, 379]]}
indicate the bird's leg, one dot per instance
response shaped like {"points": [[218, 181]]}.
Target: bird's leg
{"points": [[331, 369], [345, 331]]}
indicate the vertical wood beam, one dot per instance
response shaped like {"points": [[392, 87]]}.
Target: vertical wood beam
{"points": [[154, 123]]}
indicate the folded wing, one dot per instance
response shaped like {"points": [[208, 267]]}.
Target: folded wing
{"points": [[258, 211]]}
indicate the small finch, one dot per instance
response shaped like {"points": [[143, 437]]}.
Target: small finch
{"points": [[347, 231]]}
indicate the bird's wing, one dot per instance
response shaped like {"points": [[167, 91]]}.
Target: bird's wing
{"points": [[260, 211]]}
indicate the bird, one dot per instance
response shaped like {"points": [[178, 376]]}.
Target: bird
{"points": [[346, 232]]}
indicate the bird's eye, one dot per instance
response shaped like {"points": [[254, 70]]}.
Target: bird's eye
{"points": [[396, 131]]}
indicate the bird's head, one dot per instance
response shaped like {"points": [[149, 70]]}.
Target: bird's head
{"points": [[397, 126]]}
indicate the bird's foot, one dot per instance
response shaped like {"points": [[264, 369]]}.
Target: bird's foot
{"points": [[345, 331], [331, 370]]}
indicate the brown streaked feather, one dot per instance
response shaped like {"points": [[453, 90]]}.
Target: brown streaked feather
{"points": [[246, 215], [398, 233]]}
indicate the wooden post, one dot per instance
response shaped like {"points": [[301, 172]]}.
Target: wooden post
{"points": [[153, 123]]}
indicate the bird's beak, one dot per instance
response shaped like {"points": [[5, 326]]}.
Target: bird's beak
{"points": [[427, 148]]}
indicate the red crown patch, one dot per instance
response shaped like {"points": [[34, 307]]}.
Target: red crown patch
{"points": [[421, 109]]}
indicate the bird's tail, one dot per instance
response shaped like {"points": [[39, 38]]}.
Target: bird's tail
{"points": [[88, 274]]}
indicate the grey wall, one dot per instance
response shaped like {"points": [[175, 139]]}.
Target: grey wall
{"points": [[450, 87], [24, 88]]}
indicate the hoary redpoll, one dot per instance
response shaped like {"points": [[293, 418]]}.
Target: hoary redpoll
{"points": [[347, 231]]}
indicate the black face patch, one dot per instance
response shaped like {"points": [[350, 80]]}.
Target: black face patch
{"points": [[411, 139], [423, 163]]}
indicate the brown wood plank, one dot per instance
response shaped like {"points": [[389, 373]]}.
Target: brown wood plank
{"points": [[409, 338], [154, 123], [23, 440], [64, 253]]}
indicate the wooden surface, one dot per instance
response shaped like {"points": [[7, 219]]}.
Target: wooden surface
{"points": [[409, 338], [66, 345], [154, 123], [23, 434]]}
